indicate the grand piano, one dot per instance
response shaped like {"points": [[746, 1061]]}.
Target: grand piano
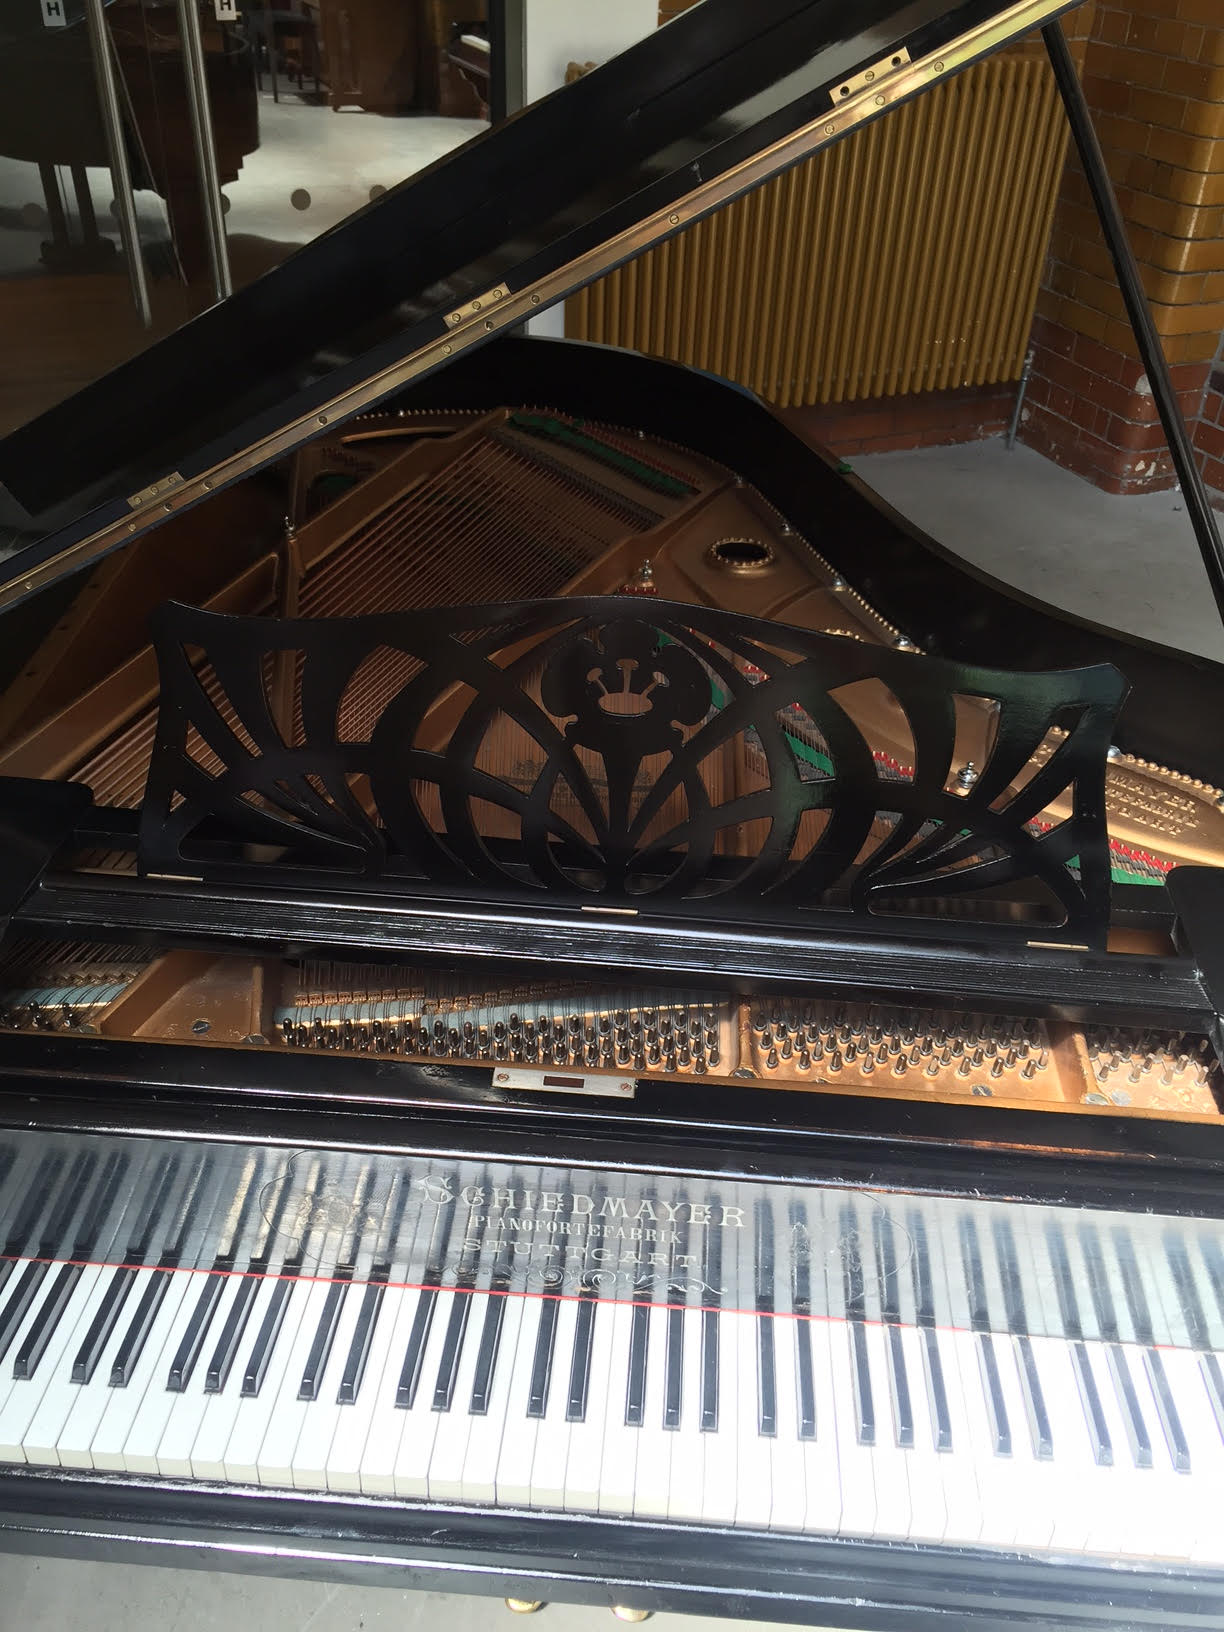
{"points": [[585, 1013]]}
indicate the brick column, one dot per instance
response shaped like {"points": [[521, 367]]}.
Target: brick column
{"points": [[1154, 77]]}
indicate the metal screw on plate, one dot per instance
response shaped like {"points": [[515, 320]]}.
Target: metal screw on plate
{"points": [[524, 1606], [674, 219], [838, 583], [501, 1076], [624, 1613], [199, 1027], [1113, 751], [903, 643], [966, 777]]}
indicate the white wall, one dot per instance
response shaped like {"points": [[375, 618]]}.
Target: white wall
{"points": [[563, 31]]}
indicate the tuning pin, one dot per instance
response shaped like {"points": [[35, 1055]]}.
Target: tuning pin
{"points": [[771, 1060]]}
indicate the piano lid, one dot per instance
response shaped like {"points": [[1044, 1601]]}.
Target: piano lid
{"points": [[722, 98]]}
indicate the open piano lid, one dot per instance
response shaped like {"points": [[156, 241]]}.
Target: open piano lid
{"points": [[724, 97]]}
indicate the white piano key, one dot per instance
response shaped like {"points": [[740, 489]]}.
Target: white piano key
{"points": [[45, 1432], [821, 1466], [686, 1493], [411, 1473], [550, 1456], [1198, 1507], [926, 1465], [478, 1478], [618, 1478], [894, 1502], [312, 1453], [854, 1460], [274, 1459], [137, 1399], [26, 1396], [375, 1465], [720, 1445], [1145, 1499], [92, 1398], [454, 1431], [655, 1442], [964, 1496], [754, 1495], [789, 1504]]}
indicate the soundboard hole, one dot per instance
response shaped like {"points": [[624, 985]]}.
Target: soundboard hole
{"points": [[740, 555]]}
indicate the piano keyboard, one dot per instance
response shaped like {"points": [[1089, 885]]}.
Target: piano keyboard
{"points": [[802, 1359]]}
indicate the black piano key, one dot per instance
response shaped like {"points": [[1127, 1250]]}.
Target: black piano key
{"points": [[325, 1336], [1128, 1402], [890, 1311], [1132, 1286], [466, 1276], [996, 1407], [903, 1408], [265, 1343], [864, 1402], [1094, 1415], [42, 1182], [217, 1373], [801, 1303], [979, 1318], [127, 1356], [363, 1337], [41, 1332], [20, 1302], [410, 1371], [486, 1355], [1040, 1433], [639, 1341], [53, 1241], [937, 1389], [372, 1298], [584, 1349], [673, 1369], [1213, 1260], [764, 1271], [435, 1265], [146, 1226], [189, 1206], [188, 1353], [1064, 1282], [1166, 1410], [709, 1371], [8, 1155], [452, 1349], [1098, 1284], [102, 1325], [920, 1261], [114, 1170], [856, 1313], [1187, 1291], [542, 1360], [712, 1300]]}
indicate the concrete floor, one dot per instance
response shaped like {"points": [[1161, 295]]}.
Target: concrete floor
{"points": [[38, 1595], [1131, 563]]}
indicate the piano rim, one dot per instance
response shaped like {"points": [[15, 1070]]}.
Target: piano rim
{"points": [[894, 1586]]}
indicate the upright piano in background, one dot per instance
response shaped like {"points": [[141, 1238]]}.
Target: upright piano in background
{"points": [[588, 1013]]}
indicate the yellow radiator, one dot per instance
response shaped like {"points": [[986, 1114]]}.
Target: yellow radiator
{"points": [[904, 259]]}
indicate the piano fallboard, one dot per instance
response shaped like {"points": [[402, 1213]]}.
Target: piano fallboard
{"points": [[382, 1350]]}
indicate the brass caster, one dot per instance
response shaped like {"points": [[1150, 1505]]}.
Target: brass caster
{"points": [[624, 1613], [524, 1606]]}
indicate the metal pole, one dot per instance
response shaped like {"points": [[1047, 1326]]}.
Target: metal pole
{"points": [[121, 178], [1194, 492], [205, 148]]}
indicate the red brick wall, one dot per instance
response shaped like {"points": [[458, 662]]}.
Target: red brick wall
{"points": [[1154, 76]]}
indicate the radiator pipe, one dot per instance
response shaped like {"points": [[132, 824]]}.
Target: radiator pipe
{"points": [[1194, 491], [1021, 391]]}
